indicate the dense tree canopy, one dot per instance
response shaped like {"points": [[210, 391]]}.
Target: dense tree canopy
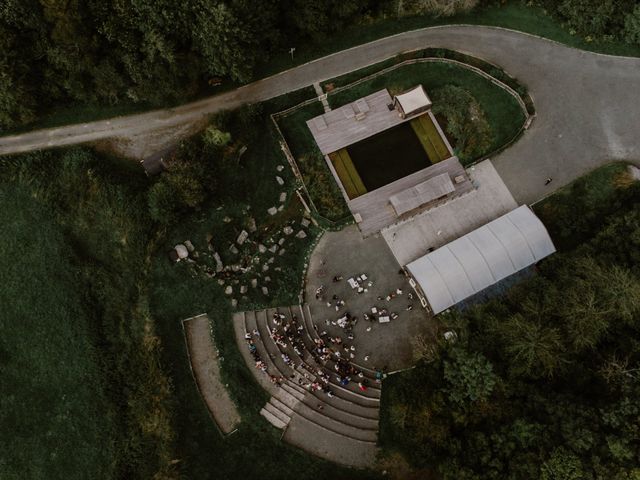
{"points": [[543, 382]]}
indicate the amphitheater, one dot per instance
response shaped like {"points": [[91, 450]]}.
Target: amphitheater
{"points": [[343, 427]]}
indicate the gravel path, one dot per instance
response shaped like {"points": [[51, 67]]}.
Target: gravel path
{"points": [[206, 371], [586, 103]]}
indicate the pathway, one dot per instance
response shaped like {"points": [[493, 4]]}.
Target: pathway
{"points": [[586, 103], [206, 372]]}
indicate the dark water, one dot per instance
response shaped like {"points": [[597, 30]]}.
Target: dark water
{"points": [[388, 156]]}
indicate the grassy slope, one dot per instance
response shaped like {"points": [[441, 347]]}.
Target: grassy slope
{"points": [[54, 417]]}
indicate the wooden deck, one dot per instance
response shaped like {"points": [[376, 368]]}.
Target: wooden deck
{"points": [[355, 121], [375, 209]]}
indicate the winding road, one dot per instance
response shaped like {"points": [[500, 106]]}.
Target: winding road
{"points": [[587, 104]]}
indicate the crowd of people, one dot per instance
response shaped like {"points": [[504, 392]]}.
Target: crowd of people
{"points": [[313, 364]]}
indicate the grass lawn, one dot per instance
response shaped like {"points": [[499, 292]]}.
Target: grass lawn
{"points": [[503, 112], [348, 174], [56, 420], [430, 138], [574, 213], [325, 193]]}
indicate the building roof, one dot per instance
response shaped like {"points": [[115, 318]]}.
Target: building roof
{"points": [[481, 258], [413, 100], [422, 193]]}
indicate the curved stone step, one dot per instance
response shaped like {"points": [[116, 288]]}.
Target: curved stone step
{"points": [[275, 411], [340, 415], [329, 445], [272, 419], [239, 325], [368, 412], [269, 345], [281, 406], [334, 425]]}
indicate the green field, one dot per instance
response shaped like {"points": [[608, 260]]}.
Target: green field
{"points": [[348, 174], [56, 421], [430, 138]]}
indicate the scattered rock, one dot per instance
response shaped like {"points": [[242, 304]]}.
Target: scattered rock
{"points": [[280, 208], [220, 281], [301, 234], [279, 180], [265, 290], [261, 248], [235, 268], [234, 249], [226, 219], [287, 230], [243, 289], [254, 282], [278, 269], [265, 267], [228, 290], [283, 197], [189, 245], [219, 265], [281, 241], [242, 237], [305, 222], [280, 168], [281, 252], [251, 224], [271, 260], [234, 303], [195, 255], [273, 248], [272, 211], [235, 282], [181, 251], [267, 278]]}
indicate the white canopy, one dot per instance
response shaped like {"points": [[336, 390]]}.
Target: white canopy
{"points": [[414, 100], [481, 258]]}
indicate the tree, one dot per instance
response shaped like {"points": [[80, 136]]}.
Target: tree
{"points": [[632, 26], [465, 121], [563, 465], [470, 377]]}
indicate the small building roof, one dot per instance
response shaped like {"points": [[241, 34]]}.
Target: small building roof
{"points": [[422, 193], [481, 258], [413, 100]]}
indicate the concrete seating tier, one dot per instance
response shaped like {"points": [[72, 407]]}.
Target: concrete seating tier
{"points": [[341, 428]]}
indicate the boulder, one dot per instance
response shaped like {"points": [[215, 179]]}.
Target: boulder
{"points": [[219, 265], [181, 251], [283, 197], [267, 278], [287, 230], [251, 224], [234, 303], [273, 248], [228, 290], [271, 260], [280, 168], [189, 245], [301, 234], [261, 248], [281, 241], [234, 249], [243, 289], [265, 290], [265, 267], [242, 237], [279, 180], [281, 252], [305, 222], [272, 211], [280, 208], [254, 282]]}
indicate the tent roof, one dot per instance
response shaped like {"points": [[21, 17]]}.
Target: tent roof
{"points": [[481, 258], [413, 100]]}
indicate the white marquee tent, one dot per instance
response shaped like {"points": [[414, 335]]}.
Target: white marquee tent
{"points": [[481, 258]]}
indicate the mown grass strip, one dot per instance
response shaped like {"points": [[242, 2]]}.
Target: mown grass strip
{"points": [[430, 138], [348, 174]]}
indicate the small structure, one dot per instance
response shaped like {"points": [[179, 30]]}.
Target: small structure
{"points": [[412, 102], [480, 259]]}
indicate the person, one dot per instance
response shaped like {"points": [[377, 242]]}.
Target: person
{"points": [[409, 307], [548, 180], [362, 386], [256, 332], [337, 278]]}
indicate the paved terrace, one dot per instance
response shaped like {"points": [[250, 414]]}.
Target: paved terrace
{"points": [[355, 121], [375, 207], [412, 239]]}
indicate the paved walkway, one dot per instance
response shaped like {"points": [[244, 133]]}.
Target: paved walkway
{"points": [[206, 371], [586, 103]]}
